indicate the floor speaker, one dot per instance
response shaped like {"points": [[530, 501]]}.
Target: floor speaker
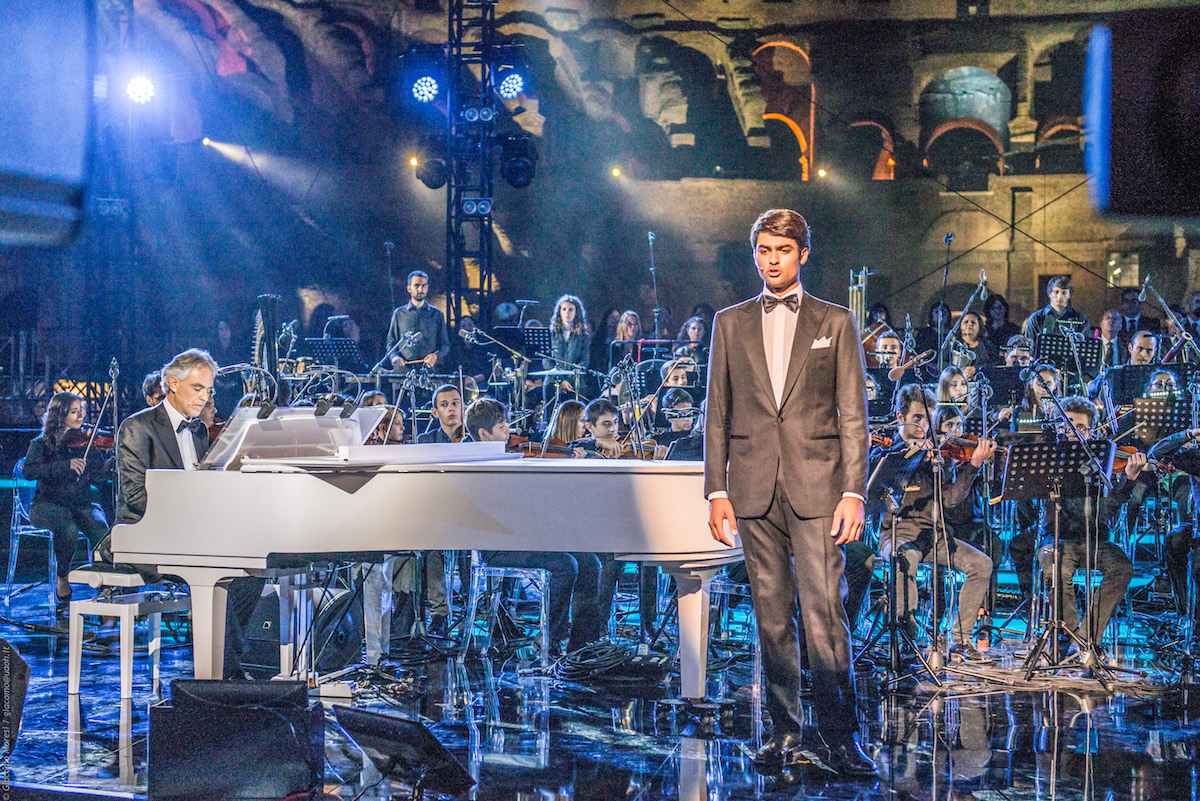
{"points": [[337, 632]]}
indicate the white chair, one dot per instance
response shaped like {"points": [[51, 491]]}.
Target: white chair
{"points": [[127, 608], [482, 578]]}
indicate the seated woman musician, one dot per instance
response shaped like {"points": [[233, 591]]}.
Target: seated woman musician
{"points": [[694, 335], [917, 538], [66, 471], [1074, 528]]}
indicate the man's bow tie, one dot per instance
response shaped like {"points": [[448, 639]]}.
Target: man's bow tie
{"points": [[196, 425], [770, 302]]}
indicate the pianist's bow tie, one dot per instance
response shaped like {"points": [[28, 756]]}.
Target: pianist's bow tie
{"points": [[196, 425], [770, 302]]}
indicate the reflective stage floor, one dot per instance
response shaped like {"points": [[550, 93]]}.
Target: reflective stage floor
{"points": [[524, 736]]}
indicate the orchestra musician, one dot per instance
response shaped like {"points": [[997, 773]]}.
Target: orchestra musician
{"points": [[372, 397], [63, 502], [916, 520], [968, 339], [152, 388], [1143, 347], [1182, 450], [695, 335], [582, 585], [1109, 335], [600, 422], [1018, 351], [1116, 569], [448, 413], [1132, 318], [1056, 314], [786, 467], [433, 346], [570, 342], [952, 386], [629, 329], [999, 329], [171, 436]]}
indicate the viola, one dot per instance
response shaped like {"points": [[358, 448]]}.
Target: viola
{"points": [[79, 438]]}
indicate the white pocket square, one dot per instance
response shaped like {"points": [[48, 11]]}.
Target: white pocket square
{"points": [[823, 342]]}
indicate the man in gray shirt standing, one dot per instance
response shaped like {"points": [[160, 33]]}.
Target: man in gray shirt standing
{"points": [[433, 345]]}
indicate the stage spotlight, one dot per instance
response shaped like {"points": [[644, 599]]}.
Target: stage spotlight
{"points": [[512, 84], [821, 173], [518, 160], [616, 172], [474, 114], [477, 206], [206, 141], [140, 89], [425, 89], [429, 162]]}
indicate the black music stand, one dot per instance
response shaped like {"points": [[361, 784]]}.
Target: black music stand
{"points": [[1128, 381], [1161, 417], [535, 341], [881, 407], [1060, 350], [341, 353], [1007, 386], [891, 474]]}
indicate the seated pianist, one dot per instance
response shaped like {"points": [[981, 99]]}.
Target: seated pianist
{"points": [[915, 522], [1115, 567], [172, 436], [582, 585]]}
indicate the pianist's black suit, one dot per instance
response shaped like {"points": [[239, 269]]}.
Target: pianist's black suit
{"points": [[146, 441]]}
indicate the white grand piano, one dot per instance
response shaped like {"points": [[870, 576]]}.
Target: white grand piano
{"points": [[282, 508]]}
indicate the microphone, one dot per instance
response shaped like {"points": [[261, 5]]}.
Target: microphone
{"points": [[983, 281], [468, 336], [529, 303], [948, 238], [650, 236], [896, 372], [389, 245], [1142, 294]]}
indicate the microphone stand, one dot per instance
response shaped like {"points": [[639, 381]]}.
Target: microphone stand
{"points": [[944, 344], [391, 278], [654, 283], [1184, 336], [521, 362], [948, 238]]}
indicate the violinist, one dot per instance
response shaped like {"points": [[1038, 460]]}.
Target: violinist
{"points": [[916, 522], [448, 412], [600, 422], [953, 387], [1115, 567], [677, 406], [581, 584], [566, 425], [66, 471], [1182, 450], [390, 430]]}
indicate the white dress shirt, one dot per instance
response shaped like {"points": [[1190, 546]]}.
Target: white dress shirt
{"points": [[187, 443], [779, 333]]}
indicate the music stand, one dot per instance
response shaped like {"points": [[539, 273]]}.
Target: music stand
{"points": [[881, 407], [1007, 386], [1128, 381], [341, 353], [1060, 350], [1161, 417], [1051, 472], [890, 476], [534, 341]]}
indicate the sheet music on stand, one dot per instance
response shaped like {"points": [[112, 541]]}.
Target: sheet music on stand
{"points": [[535, 340], [1057, 348], [1129, 381], [891, 473], [1161, 417], [1007, 387], [341, 353], [288, 432], [1034, 469]]}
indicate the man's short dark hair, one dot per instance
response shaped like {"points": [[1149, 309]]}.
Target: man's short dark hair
{"points": [[1128, 291], [1081, 405], [913, 393], [1060, 282], [597, 409], [152, 383], [780, 222], [1019, 342], [416, 274], [675, 396], [444, 388], [485, 414]]}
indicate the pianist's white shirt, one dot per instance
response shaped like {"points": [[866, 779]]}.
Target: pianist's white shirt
{"points": [[187, 443]]}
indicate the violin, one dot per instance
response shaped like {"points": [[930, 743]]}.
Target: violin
{"points": [[551, 448], [1124, 452], [215, 429], [961, 448], [79, 438]]}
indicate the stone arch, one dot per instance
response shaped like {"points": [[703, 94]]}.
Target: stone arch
{"points": [[1059, 147], [964, 115], [884, 167], [784, 70], [1057, 81]]}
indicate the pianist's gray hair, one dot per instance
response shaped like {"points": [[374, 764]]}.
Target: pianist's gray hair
{"points": [[184, 363]]}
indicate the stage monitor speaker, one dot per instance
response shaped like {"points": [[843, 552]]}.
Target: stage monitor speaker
{"points": [[47, 121], [337, 632], [15, 674], [406, 749], [1142, 114], [235, 740]]}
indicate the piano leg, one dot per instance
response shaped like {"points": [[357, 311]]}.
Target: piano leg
{"points": [[209, 588], [693, 586]]}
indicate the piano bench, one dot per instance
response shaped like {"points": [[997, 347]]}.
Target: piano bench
{"points": [[127, 608]]}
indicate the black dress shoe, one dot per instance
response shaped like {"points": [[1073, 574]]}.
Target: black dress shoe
{"points": [[779, 751], [850, 761]]}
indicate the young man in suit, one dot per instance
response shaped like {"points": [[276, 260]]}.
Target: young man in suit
{"points": [[786, 467], [172, 436]]}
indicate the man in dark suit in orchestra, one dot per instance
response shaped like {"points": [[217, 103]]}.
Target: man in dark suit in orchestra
{"points": [[171, 436], [786, 466]]}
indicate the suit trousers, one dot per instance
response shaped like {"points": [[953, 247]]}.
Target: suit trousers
{"points": [[789, 558], [1116, 571]]}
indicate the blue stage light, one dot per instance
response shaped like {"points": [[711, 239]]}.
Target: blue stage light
{"points": [[511, 86], [425, 89], [140, 89]]}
